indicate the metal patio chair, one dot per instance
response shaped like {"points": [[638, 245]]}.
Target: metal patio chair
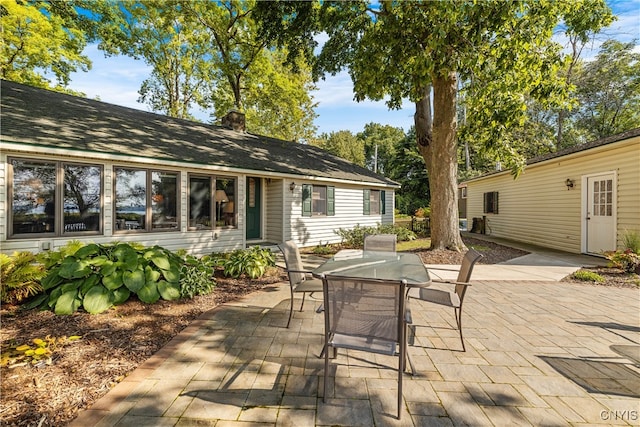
{"points": [[366, 315], [380, 242], [455, 297], [300, 280]]}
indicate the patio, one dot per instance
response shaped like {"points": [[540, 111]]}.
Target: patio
{"points": [[538, 353]]}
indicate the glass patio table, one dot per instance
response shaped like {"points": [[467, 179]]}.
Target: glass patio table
{"points": [[377, 265]]}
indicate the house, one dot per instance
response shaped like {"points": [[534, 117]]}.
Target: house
{"points": [[75, 168], [582, 199]]}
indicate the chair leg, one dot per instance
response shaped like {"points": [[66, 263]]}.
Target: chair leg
{"points": [[459, 322], [326, 370], [302, 304], [290, 308], [401, 364]]}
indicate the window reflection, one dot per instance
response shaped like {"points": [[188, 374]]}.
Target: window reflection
{"points": [[131, 195], [81, 210], [164, 200], [33, 202]]}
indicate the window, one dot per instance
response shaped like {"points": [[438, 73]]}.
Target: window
{"points": [[318, 200], [82, 189], [146, 200], [55, 198], [373, 202], [491, 202], [603, 197], [211, 201]]}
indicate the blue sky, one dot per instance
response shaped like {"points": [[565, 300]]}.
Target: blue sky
{"points": [[117, 80]]}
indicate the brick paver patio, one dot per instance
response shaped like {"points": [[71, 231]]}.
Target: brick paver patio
{"points": [[538, 353]]}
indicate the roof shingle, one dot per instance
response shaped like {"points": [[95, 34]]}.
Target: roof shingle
{"points": [[40, 117]]}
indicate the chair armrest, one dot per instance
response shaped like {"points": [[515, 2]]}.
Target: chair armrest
{"points": [[451, 282], [443, 269], [299, 271]]}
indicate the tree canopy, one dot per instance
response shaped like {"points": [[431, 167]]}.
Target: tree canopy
{"points": [[38, 41], [210, 55], [502, 50]]}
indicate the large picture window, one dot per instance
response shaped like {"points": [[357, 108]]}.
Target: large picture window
{"points": [[55, 198], [212, 202], [146, 200]]}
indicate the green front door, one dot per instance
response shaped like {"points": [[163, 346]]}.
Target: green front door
{"points": [[254, 210]]}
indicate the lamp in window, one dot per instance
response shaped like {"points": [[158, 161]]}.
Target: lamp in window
{"points": [[569, 183], [221, 197]]}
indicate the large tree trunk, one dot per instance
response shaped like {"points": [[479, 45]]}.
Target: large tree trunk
{"points": [[441, 159]]}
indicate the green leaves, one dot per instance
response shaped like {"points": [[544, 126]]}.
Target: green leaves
{"points": [[253, 262], [97, 299], [134, 280], [96, 277]]}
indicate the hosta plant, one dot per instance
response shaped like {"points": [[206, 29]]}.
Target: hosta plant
{"points": [[96, 277], [196, 276], [252, 262]]}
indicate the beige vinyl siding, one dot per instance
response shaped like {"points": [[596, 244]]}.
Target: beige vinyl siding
{"points": [[628, 162], [275, 209], [538, 208], [315, 230], [4, 203]]}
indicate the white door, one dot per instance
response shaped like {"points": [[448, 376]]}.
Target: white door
{"points": [[601, 213]]}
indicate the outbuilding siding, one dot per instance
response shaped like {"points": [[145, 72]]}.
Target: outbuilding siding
{"points": [[538, 208]]}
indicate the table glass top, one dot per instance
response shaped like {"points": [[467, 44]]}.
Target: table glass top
{"points": [[376, 265]]}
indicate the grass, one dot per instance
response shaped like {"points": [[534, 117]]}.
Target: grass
{"points": [[425, 244], [412, 245]]}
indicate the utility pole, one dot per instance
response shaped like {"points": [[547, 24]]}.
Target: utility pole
{"points": [[375, 159]]}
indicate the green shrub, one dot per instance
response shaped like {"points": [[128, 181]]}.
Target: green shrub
{"points": [[404, 234], [20, 276], [587, 276], [96, 277], [354, 237], [252, 262], [196, 276], [324, 249]]}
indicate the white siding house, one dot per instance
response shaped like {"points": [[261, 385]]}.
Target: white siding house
{"points": [[582, 199], [74, 168]]}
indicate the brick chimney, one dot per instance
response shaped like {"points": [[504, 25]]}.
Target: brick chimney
{"points": [[234, 120]]}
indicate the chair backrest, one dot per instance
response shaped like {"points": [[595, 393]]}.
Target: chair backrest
{"points": [[464, 275], [380, 242], [293, 261], [365, 308]]}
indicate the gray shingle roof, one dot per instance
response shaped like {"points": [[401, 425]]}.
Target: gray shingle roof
{"points": [[49, 119], [570, 150], [587, 146]]}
